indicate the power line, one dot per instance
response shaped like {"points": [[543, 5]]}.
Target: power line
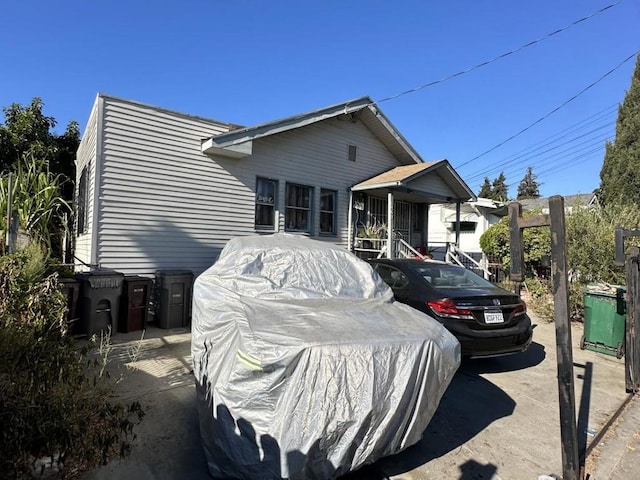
{"points": [[503, 55], [550, 140], [529, 160], [552, 111]]}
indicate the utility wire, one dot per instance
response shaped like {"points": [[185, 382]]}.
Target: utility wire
{"points": [[532, 163], [503, 55], [548, 141], [552, 111], [595, 144]]}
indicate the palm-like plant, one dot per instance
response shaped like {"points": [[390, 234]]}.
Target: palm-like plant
{"points": [[36, 200]]}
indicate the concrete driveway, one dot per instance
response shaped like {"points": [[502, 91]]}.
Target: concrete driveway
{"points": [[498, 419]]}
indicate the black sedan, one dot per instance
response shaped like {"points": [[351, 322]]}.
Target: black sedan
{"points": [[487, 320]]}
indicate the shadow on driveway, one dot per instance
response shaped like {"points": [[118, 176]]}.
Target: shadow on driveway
{"points": [[470, 404]]}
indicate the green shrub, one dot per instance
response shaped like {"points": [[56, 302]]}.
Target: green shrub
{"points": [[590, 251], [536, 242], [52, 402]]}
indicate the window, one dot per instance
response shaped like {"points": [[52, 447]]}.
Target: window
{"points": [[392, 276], [328, 211], [266, 193], [82, 210], [464, 226], [297, 217]]}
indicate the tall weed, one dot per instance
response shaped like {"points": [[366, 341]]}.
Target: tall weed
{"points": [[53, 401]]}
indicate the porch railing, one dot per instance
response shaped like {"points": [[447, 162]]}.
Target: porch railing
{"points": [[377, 247], [453, 254]]}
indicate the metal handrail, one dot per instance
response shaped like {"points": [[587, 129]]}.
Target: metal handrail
{"points": [[456, 251]]}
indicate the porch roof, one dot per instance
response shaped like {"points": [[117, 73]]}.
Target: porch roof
{"points": [[407, 183]]}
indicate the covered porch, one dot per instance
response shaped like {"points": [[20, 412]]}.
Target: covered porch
{"points": [[388, 213]]}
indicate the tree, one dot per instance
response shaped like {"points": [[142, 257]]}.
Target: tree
{"points": [[485, 190], [500, 190], [26, 135], [528, 187], [619, 179]]}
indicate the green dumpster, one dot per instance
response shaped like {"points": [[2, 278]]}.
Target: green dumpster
{"points": [[604, 319]]}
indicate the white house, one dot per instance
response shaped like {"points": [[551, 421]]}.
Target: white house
{"points": [[475, 217], [159, 189]]}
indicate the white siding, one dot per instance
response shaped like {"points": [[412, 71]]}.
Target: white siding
{"points": [[163, 204], [86, 155], [317, 156], [442, 226]]}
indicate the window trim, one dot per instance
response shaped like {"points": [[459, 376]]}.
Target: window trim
{"points": [[334, 212], [288, 207], [274, 224], [82, 205]]}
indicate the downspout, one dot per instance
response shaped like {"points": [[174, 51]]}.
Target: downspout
{"points": [[390, 224], [350, 220]]}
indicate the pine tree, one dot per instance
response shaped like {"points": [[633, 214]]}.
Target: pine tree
{"points": [[620, 173], [528, 187], [500, 190], [485, 190]]}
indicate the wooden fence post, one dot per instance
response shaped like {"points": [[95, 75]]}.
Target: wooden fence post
{"points": [[566, 392]]}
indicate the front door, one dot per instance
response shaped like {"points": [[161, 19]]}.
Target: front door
{"points": [[402, 220]]}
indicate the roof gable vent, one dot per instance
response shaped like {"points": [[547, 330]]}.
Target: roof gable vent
{"points": [[353, 151]]}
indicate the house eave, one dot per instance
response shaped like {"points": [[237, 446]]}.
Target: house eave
{"points": [[361, 188], [227, 149]]}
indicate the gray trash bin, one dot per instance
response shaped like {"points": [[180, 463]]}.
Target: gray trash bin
{"points": [[174, 297], [99, 301]]}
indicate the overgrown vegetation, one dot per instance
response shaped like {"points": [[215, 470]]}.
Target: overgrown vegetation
{"points": [[54, 404], [37, 201], [536, 243], [590, 252], [28, 133]]}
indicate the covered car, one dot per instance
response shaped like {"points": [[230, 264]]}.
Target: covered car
{"points": [[305, 366]]}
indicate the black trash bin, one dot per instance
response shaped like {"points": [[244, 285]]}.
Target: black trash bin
{"points": [[100, 292], [71, 290], [134, 305], [174, 295]]}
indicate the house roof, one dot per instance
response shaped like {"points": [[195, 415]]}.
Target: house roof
{"points": [[238, 143], [585, 199], [402, 176]]}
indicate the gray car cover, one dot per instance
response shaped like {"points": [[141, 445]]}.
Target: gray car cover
{"points": [[305, 366]]}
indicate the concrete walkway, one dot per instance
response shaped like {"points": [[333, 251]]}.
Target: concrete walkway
{"points": [[499, 419]]}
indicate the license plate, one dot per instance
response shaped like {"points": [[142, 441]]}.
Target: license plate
{"points": [[493, 317]]}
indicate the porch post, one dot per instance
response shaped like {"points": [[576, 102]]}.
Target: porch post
{"points": [[390, 224], [458, 223], [350, 220], [425, 225]]}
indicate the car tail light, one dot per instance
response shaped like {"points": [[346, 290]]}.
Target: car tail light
{"points": [[521, 309], [446, 307]]}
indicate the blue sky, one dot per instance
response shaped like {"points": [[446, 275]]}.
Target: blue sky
{"points": [[249, 62]]}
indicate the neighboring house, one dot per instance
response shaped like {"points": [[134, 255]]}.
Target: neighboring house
{"points": [[475, 218], [542, 204], [163, 190]]}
